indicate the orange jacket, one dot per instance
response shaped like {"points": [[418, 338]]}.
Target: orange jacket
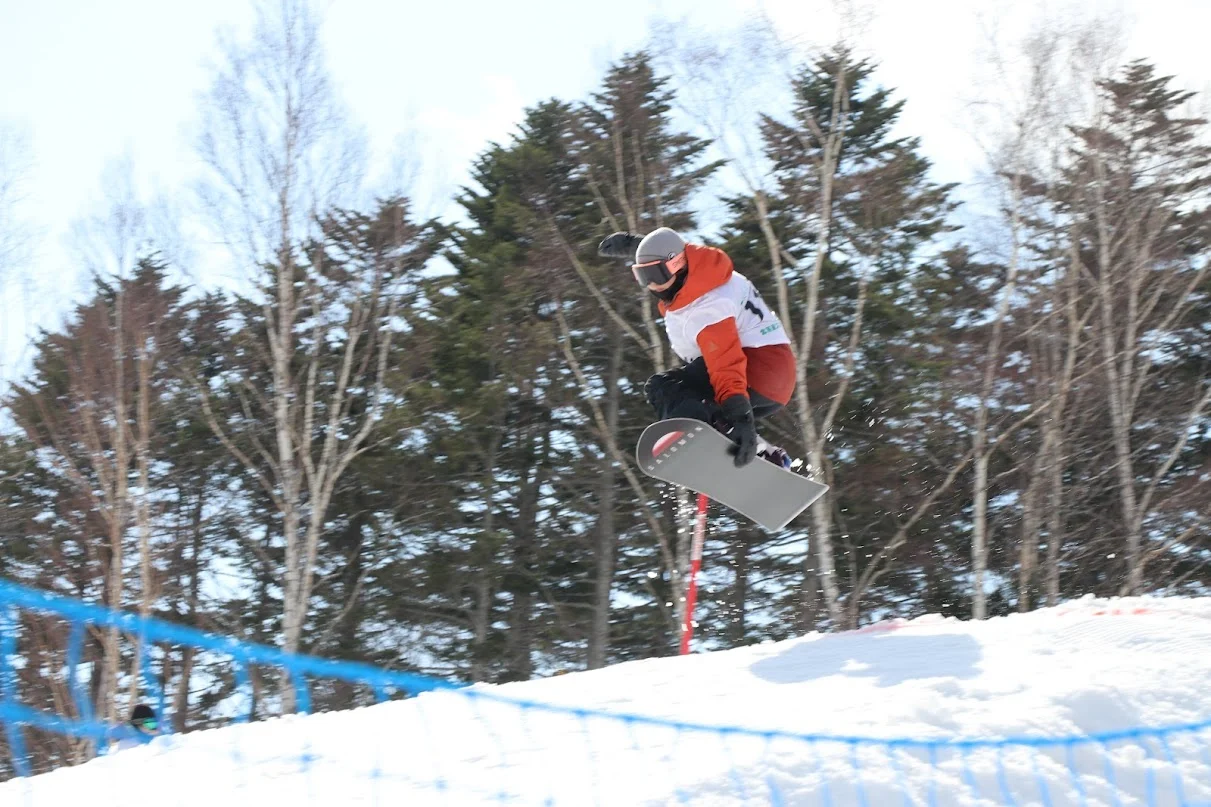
{"points": [[739, 338]]}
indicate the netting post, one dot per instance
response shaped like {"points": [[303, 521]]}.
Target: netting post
{"points": [[691, 592]]}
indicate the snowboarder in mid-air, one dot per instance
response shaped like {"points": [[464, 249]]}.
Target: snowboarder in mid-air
{"points": [[738, 362]]}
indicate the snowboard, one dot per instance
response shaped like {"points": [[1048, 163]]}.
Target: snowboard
{"points": [[694, 455]]}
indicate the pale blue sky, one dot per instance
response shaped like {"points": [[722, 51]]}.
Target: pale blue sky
{"points": [[91, 80]]}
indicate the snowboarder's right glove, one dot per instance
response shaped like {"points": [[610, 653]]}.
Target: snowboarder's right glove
{"points": [[739, 412], [619, 245]]}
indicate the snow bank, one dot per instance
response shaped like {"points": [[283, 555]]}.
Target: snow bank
{"points": [[908, 690]]}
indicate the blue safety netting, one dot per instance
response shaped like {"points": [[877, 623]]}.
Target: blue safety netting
{"points": [[449, 743]]}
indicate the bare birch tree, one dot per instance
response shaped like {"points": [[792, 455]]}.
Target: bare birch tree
{"points": [[281, 153], [109, 244], [1033, 93], [1029, 125], [1140, 185], [95, 422], [327, 397]]}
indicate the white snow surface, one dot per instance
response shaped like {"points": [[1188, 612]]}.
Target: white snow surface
{"points": [[1090, 666]]}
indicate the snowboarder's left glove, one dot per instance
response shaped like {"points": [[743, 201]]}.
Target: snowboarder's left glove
{"points": [[739, 412], [619, 245]]}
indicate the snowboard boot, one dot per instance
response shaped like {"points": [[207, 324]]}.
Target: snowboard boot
{"points": [[774, 454], [766, 451]]}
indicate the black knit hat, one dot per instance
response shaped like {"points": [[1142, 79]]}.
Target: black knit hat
{"points": [[140, 713]]}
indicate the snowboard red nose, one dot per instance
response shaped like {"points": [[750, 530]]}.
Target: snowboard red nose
{"points": [[665, 442]]}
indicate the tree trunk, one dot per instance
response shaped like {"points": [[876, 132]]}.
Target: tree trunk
{"points": [[1055, 516], [117, 513], [1029, 551], [821, 537], [979, 528], [481, 608], [1119, 367], [481, 611], [992, 360], [1066, 297], [280, 322], [348, 621], [519, 641], [808, 617], [821, 566], [1117, 380], [1125, 472], [180, 705], [143, 371]]}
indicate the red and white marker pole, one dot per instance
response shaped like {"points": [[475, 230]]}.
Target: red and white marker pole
{"points": [[691, 592]]}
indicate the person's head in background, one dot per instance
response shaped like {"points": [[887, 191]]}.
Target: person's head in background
{"points": [[143, 720]]}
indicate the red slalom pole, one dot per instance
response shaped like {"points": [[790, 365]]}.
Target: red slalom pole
{"points": [[691, 593]]}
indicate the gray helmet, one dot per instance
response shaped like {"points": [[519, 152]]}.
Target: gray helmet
{"points": [[659, 245]]}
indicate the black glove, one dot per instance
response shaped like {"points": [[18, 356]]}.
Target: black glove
{"points": [[619, 245], [739, 412]]}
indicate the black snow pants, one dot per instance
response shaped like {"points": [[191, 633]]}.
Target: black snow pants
{"points": [[686, 392]]}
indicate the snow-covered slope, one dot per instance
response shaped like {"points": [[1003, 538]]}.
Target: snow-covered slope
{"points": [[1087, 667]]}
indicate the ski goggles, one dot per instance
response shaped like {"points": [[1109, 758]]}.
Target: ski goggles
{"points": [[658, 272], [150, 724]]}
